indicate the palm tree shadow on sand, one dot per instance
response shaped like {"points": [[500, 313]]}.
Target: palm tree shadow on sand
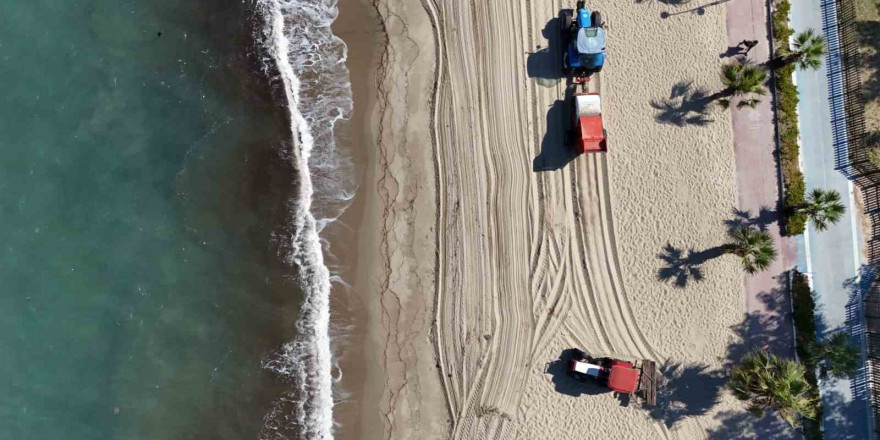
{"points": [[685, 105], [683, 266], [687, 390]]}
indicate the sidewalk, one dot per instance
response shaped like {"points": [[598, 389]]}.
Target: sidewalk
{"points": [[758, 181], [767, 302]]}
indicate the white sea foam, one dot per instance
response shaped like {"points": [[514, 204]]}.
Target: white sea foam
{"points": [[310, 61]]}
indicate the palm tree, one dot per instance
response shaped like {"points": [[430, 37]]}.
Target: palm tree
{"points": [[769, 382], [754, 248], [835, 356], [741, 78], [822, 207], [808, 50]]}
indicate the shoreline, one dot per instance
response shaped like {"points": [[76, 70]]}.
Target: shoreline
{"points": [[392, 220], [351, 346]]}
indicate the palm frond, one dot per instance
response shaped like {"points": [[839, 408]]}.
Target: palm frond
{"points": [[754, 248], [770, 382], [810, 48], [823, 208]]}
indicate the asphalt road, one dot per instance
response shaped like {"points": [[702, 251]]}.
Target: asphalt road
{"points": [[832, 255]]}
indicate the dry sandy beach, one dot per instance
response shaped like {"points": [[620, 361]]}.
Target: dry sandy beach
{"points": [[484, 252]]}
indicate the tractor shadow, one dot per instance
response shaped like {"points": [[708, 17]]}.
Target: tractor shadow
{"points": [[556, 149], [686, 105], [565, 384], [689, 390], [545, 64]]}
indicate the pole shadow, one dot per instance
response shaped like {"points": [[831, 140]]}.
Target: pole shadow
{"points": [[665, 2], [699, 10]]}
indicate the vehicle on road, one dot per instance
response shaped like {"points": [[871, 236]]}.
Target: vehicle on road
{"points": [[584, 36], [619, 376]]}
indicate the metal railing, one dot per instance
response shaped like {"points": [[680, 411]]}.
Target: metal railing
{"points": [[852, 158]]}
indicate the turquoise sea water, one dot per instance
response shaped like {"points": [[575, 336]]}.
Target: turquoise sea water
{"points": [[141, 186]]}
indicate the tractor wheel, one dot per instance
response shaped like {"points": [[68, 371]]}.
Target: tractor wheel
{"points": [[565, 20], [596, 18]]}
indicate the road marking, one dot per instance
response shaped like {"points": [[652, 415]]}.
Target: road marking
{"points": [[809, 272], [855, 230]]}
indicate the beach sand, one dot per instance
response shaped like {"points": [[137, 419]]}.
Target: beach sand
{"points": [[484, 252]]}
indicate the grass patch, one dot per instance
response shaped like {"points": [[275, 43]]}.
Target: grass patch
{"points": [[867, 10], [804, 317], [786, 106]]}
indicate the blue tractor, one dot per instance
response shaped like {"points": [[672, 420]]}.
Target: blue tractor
{"points": [[584, 38]]}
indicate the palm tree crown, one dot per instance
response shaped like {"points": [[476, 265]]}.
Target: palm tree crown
{"points": [[742, 78], [769, 382], [823, 208], [836, 356], [808, 50], [753, 246]]}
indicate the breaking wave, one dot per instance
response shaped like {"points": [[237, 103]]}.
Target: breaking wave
{"points": [[310, 63]]}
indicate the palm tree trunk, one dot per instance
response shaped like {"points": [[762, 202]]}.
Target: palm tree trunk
{"points": [[781, 61], [726, 93]]}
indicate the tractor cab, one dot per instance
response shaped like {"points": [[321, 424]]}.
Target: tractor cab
{"points": [[584, 38], [588, 52]]}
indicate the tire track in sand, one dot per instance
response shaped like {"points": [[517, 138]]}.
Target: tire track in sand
{"points": [[521, 255]]}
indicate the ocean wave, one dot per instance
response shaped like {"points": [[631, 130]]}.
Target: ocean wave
{"points": [[310, 62]]}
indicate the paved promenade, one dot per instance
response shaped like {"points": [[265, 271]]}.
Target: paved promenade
{"points": [[767, 304], [758, 177]]}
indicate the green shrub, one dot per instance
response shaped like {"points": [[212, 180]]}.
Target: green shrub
{"points": [[804, 317], [781, 31], [804, 306], [786, 111], [795, 222]]}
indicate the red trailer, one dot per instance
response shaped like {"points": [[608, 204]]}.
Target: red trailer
{"points": [[589, 132], [619, 376]]}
